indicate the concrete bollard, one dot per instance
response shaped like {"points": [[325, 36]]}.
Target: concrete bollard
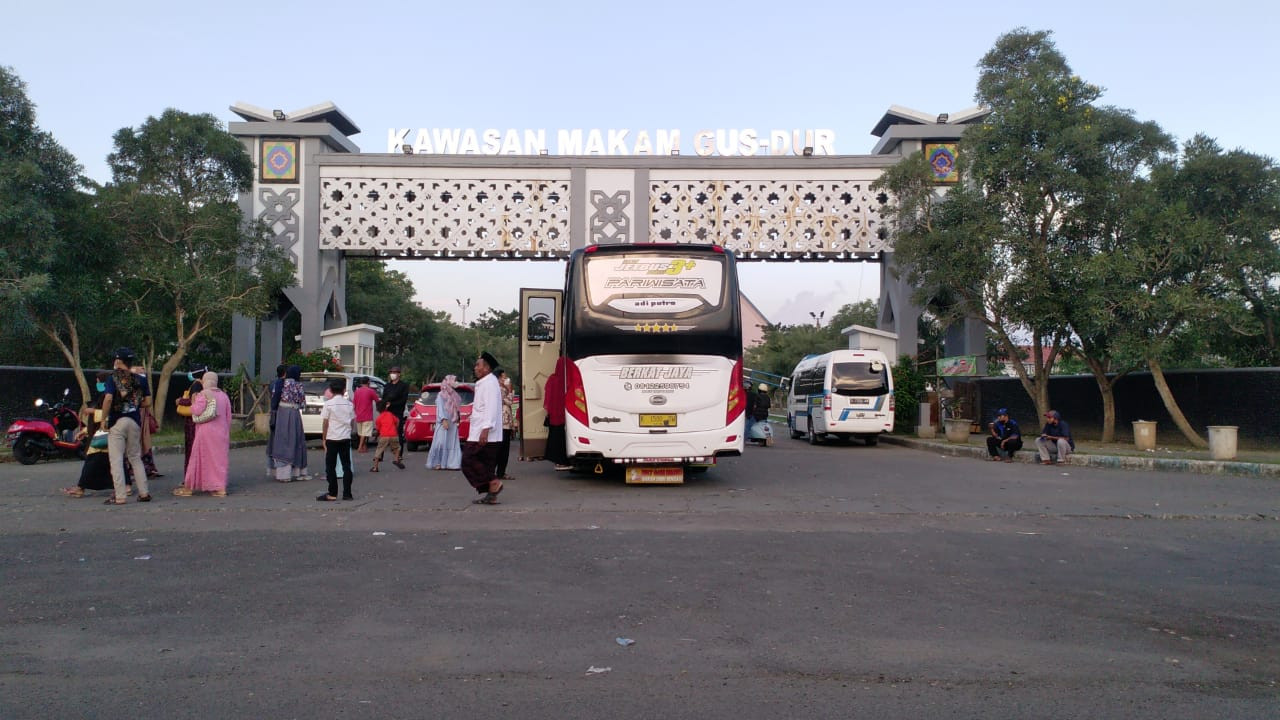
{"points": [[1144, 434], [1222, 442]]}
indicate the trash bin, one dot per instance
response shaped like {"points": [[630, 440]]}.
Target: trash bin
{"points": [[1144, 434], [1222, 442]]}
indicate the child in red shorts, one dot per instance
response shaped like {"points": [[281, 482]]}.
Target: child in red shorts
{"points": [[387, 427]]}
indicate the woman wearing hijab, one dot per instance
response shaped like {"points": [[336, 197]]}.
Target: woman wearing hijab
{"points": [[446, 453], [211, 449], [289, 442]]}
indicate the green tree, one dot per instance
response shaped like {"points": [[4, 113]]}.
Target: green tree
{"points": [[48, 238], [1204, 213], [190, 261], [784, 345], [38, 180], [999, 246], [496, 323]]}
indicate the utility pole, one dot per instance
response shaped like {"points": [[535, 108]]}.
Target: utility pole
{"points": [[817, 317], [464, 307]]}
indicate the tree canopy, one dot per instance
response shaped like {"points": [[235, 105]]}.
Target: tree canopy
{"points": [[188, 257]]}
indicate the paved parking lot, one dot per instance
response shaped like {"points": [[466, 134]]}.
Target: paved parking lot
{"points": [[821, 582]]}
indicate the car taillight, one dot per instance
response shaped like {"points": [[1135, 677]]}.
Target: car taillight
{"points": [[737, 403], [575, 397]]}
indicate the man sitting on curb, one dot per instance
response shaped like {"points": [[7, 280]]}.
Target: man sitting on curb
{"points": [[1005, 438], [1055, 438]]}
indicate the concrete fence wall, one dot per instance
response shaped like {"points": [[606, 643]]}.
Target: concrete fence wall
{"points": [[20, 386], [1248, 398]]}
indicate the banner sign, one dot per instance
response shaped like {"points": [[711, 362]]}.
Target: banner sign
{"points": [[958, 366]]}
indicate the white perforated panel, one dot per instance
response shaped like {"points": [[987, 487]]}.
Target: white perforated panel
{"points": [[434, 217], [831, 218]]}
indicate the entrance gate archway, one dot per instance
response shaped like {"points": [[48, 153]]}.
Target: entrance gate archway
{"points": [[324, 200]]}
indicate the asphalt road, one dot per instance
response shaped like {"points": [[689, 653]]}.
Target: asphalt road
{"points": [[796, 582]]}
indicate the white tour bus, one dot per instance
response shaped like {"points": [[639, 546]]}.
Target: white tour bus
{"points": [[846, 393], [652, 337]]}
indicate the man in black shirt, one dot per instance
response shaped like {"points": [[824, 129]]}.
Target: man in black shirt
{"points": [[396, 395]]}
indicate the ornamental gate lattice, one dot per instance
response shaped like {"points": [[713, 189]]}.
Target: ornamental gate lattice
{"points": [[324, 200]]}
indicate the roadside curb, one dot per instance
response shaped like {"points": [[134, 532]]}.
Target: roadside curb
{"points": [[1114, 462]]}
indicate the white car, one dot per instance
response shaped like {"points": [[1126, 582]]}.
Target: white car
{"points": [[315, 383]]}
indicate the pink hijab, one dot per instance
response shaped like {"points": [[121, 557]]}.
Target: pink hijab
{"points": [[449, 399]]}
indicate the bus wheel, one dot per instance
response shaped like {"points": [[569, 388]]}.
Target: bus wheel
{"points": [[814, 439], [872, 440], [791, 425]]}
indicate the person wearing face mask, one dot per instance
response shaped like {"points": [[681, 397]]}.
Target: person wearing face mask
{"points": [[95, 473], [189, 427], [396, 393]]}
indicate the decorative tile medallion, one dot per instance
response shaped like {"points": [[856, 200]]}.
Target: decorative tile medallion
{"points": [[278, 162]]}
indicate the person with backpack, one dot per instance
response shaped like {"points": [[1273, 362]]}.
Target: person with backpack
{"points": [[125, 396]]}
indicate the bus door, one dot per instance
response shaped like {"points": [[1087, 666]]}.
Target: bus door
{"points": [[540, 334]]}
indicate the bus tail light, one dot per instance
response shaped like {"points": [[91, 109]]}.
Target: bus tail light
{"points": [[893, 403], [575, 397], [737, 401], [826, 403]]}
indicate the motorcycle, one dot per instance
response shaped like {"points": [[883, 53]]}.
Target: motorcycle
{"points": [[759, 431], [35, 438]]}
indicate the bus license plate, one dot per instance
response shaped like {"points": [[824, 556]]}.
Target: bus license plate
{"points": [[655, 475], [656, 420]]}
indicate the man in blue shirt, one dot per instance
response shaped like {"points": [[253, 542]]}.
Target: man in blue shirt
{"points": [[1005, 438], [1055, 439]]}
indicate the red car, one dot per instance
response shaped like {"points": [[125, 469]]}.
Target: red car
{"points": [[420, 425]]}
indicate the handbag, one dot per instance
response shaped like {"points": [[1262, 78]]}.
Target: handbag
{"points": [[99, 440], [210, 412], [184, 404]]}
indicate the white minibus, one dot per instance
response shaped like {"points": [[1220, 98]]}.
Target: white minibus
{"points": [[845, 393]]}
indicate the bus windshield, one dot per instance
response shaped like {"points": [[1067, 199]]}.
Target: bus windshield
{"points": [[859, 378], [653, 300]]}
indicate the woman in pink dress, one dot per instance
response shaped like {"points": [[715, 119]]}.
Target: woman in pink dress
{"points": [[211, 448]]}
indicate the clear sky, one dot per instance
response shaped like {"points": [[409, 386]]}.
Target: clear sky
{"points": [[93, 68]]}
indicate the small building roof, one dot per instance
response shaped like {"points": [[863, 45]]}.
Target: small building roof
{"points": [[902, 123], [321, 112]]}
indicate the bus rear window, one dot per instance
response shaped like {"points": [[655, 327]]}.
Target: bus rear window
{"points": [[654, 285], [859, 378]]}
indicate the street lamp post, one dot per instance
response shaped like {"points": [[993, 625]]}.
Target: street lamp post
{"points": [[817, 317], [463, 306]]}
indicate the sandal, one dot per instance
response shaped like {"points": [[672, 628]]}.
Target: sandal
{"points": [[144, 498], [75, 492], [182, 491], [488, 499], [373, 469], [326, 498], [218, 493], [113, 501]]}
